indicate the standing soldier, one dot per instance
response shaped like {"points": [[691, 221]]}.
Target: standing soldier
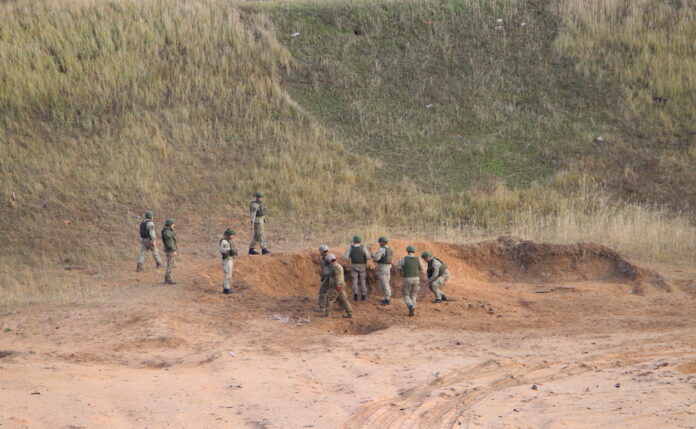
{"points": [[358, 255], [228, 252], [383, 258], [411, 269], [437, 276], [257, 217], [147, 241], [336, 284], [169, 242], [325, 272]]}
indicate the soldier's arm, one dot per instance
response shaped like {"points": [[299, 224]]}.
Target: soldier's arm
{"points": [[151, 231], [233, 249], [224, 246], [347, 254], [378, 254], [367, 253], [252, 212], [436, 271]]}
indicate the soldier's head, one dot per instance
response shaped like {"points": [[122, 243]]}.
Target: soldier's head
{"points": [[323, 249], [357, 239], [229, 232], [383, 241], [170, 223], [427, 255], [149, 214], [410, 250], [259, 195], [330, 258]]}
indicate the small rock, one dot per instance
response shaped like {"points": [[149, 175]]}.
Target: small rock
{"points": [[35, 393], [617, 385], [429, 106], [499, 20], [295, 34], [534, 387], [599, 139]]}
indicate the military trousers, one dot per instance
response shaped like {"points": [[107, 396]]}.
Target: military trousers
{"points": [[436, 285], [146, 246], [410, 288], [259, 236], [170, 265], [358, 274], [227, 267], [340, 296], [324, 291], [384, 277]]}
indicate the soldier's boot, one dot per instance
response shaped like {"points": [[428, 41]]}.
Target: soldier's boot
{"points": [[227, 291], [436, 301], [253, 251], [158, 265], [444, 298], [411, 311], [265, 251], [386, 302], [364, 297], [169, 281], [139, 268], [355, 297], [348, 316]]}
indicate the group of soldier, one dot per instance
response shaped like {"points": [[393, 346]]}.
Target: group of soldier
{"points": [[411, 267]]}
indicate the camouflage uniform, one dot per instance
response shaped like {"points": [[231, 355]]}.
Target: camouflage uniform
{"points": [[324, 289], [383, 258], [411, 268], [357, 266], [257, 216], [336, 285], [437, 276], [147, 242], [228, 251], [169, 242]]}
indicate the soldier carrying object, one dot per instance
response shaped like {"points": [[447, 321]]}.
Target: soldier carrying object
{"points": [[358, 255], [437, 276], [170, 249], [411, 268], [257, 217], [383, 258], [147, 241], [336, 284], [325, 272], [228, 252]]}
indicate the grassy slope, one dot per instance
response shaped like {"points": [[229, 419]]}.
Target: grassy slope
{"points": [[107, 109]]}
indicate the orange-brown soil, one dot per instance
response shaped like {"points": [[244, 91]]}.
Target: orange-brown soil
{"points": [[535, 335]]}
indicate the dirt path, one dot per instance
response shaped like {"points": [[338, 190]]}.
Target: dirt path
{"points": [[571, 348]]}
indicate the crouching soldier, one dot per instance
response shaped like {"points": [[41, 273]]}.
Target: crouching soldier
{"points": [[228, 252], [336, 285], [437, 276], [169, 242], [324, 276], [411, 269]]}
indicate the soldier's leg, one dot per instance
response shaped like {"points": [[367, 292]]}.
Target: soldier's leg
{"points": [[143, 251], [387, 283], [252, 243], [363, 280], [155, 253], [330, 299], [406, 287], [226, 273], [323, 292], [354, 275], [343, 300], [435, 287], [170, 268], [414, 292], [261, 235]]}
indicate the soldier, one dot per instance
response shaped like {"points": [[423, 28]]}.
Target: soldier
{"points": [[324, 288], [169, 242], [358, 255], [257, 217], [411, 269], [336, 284], [228, 252], [147, 241], [383, 258], [437, 276]]}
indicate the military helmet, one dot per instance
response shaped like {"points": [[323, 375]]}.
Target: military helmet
{"points": [[357, 239], [330, 257], [229, 231], [411, 249], [426, 254], [169, 221], [149, 214], [323, 248], [383, 240], [259, 194]]}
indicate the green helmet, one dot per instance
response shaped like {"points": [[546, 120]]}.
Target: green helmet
{"points": [[426, 254], [169, 221], [229, 231], [383, 240], [411, 249], [149, 214], [259, 194], [357, 239]]}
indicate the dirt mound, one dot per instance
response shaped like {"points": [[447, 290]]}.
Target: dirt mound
{"points": [[507, 259]]}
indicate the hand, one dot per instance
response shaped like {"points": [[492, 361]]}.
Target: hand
{"points": [[153, 244], [338, 288], [176, 254]]}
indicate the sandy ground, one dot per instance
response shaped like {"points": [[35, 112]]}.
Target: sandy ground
{"points": [[561, 351]]}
